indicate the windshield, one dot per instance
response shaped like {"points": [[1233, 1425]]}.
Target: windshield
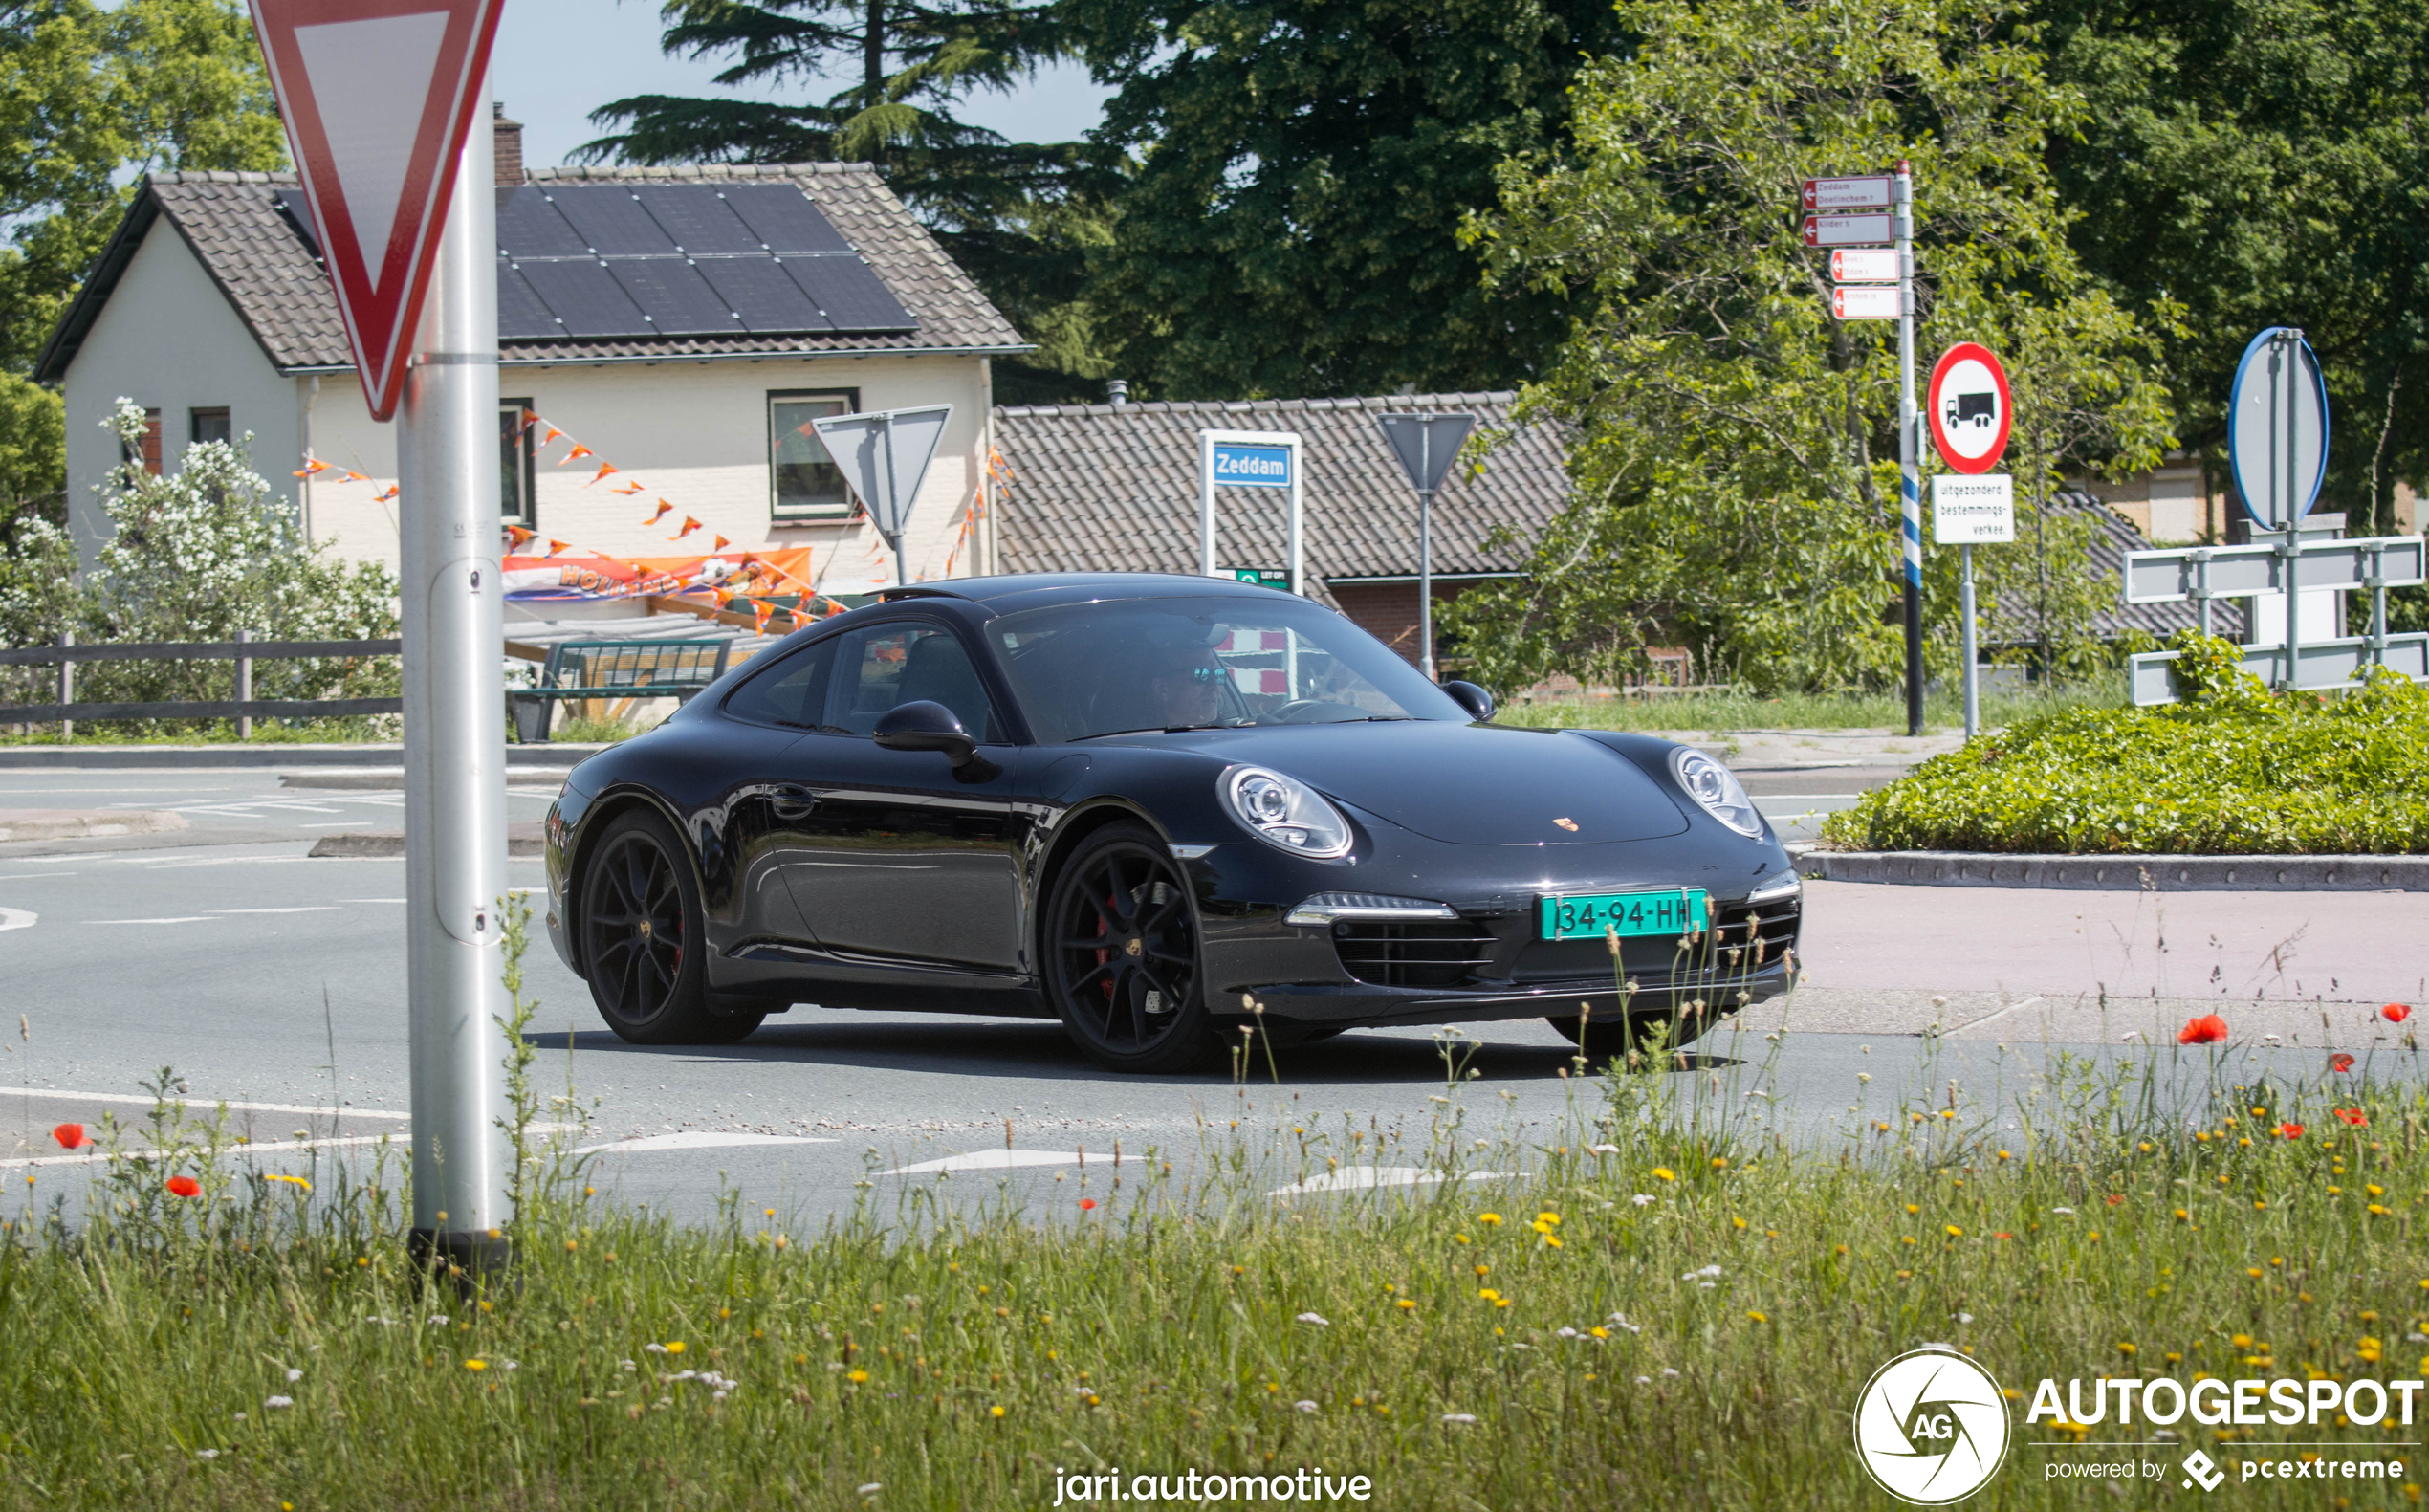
{"points": [[1101, 668]]}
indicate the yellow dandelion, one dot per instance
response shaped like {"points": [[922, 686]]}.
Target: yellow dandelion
{"points": [[1493, 1219], [856, 1377], [2126, 1350], [1914, 1208], [1665, 1174], [476, 1365], [994, 1412], [1757, 1317], [1404, 1304], [674, 1346], [1953, 1232]]}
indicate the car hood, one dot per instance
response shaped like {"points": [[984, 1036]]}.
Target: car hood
{"points": [[1467, 784]]}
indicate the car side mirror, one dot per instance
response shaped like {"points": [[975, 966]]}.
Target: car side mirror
{"points": [[921, 725], [1473, 699]]}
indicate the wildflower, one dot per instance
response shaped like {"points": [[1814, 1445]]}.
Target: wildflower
{"points": [[1087, 1204], [1315, 1320], [1708, 1273], [2289, 1130], [1953, 1232], [274, 1403], [2068, 1212], [1914, 1208], [873, 1488], [2115, 1198], [1643, 1199], [2207, 1029], [1493, 1219], [1719, 1162], [184, 1187], [1488, 1294], [1458, 1417], [674, 1346], [1304, 1407], [2352, 1116], [856, 1377], [1757, 1317], [476, 1365], [653, 1349], [2396, 1013], [994, 1412], [71, 1136], [1664, 1174], [1404, 1304]]}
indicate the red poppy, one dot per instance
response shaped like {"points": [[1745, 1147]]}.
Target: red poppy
{"points": [[1087, 1204], [2116, 1198], [2003, 1236], [2290, 1130], [2208, 1029], [2340, 1062], [71, 1136], [184, 1187], [2396, 1013], [2352, 1116]]}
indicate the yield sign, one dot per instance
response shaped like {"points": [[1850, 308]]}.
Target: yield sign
{"points": [[378, 96]]}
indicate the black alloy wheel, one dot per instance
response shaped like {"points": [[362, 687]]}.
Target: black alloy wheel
{"points": [[1122, 960], [641, 939]]}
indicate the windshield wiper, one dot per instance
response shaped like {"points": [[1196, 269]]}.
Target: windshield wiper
{"points": [[1150, 730]]}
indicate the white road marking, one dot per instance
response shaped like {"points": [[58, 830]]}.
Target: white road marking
{"points": [[1365, 1178], [18, 918], [998, 1160], [245, 1150], [25, 790], [371, 900], [310, 908], [189, 918], [72, 1095], [21, 876], [696, 1139]]}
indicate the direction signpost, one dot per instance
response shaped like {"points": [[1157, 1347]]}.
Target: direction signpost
{"points": [[2276, 426], [1249, 459], [1425, 445], [885, 455], [381, 103], [1970, 412]]}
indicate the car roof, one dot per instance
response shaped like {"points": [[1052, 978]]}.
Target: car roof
{"points": [[1035, 590]]}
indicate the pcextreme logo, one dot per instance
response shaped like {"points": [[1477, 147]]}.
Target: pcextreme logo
{"points": [[1931, 1427]]}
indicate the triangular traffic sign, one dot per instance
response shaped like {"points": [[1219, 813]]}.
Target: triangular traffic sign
{"points": [[378, 96], [885, 455], [1426, 444]]}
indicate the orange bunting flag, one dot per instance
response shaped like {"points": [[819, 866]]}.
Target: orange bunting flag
{"points": [[665, 509], [604, 470], [723, 595], [531, 418], [383, 498], [689, 526], [353, 477], [517, 535], [764, 612], [721, 545], [628, 488], [311, 464], [580, 450], [553, 435], [553, 547]]}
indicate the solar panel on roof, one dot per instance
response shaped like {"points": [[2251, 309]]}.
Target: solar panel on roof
{"points": [[299, 212], [850, 294], [698, 219], [529, 226], [677, 300], [610, 221], [585, 297], [783, 218], [523, 315], [756, 289]]}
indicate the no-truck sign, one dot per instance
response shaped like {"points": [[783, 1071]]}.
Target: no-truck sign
{"points": [[1969, 408]]}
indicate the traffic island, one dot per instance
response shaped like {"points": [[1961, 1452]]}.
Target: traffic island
{"points": [[2247, 873], [82, 824]]}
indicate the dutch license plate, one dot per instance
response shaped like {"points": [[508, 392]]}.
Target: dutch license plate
{"points": [[1595, 915]]}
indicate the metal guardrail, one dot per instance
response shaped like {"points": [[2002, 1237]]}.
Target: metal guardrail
{"points": [[244, 708]]}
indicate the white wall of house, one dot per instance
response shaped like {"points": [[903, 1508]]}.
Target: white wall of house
{"points": [[169, 339], [695, 435]]}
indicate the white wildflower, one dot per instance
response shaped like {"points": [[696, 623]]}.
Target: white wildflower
{"points": [[1458, 1417], [1315, 1320], [1304, 1406], [1643, 1199], [276, 1402]]}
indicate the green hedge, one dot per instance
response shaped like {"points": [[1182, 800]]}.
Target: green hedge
{"points": [[2233, 770]]}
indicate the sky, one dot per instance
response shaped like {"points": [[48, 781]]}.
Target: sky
{"points": [[558, 60]]}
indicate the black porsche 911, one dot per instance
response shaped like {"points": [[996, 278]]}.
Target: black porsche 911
{"points": [[1159, 809]]}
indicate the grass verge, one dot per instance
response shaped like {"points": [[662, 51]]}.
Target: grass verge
{"points": [[1652, 1304], [1721, 712]]}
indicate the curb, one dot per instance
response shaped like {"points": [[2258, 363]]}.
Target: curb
{"points": [[1961, 868], [68, 823], [523, 837], [555, 755]]}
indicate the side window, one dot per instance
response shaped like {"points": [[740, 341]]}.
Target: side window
{"points": [[790, 693], [885, 664]]}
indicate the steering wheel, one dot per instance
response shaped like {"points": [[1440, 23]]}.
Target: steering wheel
{"points": [[1301, 710]]}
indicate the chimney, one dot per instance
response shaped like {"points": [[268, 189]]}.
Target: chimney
{"points": [[506, 138], [1117, 392]]}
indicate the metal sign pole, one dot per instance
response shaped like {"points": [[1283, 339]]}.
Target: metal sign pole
{"points": [[2284, 367], [1909, 444], [885, 439], [1298, 528], [1425, 581], [456, 739], [1205, 504], [1972, 679]]}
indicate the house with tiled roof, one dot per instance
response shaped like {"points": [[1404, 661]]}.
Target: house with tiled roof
{"points": [[1115, 487], [681, 325]]}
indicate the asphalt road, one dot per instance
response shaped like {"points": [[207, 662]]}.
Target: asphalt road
{"points": [[274, 981]]}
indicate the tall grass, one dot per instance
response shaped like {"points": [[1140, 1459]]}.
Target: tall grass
{"points": [[1662, 1298]]}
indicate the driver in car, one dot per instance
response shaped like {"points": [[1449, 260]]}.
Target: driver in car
{"points": [[1188, 687]]}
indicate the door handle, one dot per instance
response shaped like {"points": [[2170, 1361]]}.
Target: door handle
{"points": [[793, 799]]}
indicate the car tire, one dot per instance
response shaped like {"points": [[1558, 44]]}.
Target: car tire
{"points": [[1607, 1039], [1121, 955], [644, 941]]}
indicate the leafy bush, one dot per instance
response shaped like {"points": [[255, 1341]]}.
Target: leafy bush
{"points": [[2233, 770]]}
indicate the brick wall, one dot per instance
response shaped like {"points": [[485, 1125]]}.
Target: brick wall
{"points": [[1387, 612]]}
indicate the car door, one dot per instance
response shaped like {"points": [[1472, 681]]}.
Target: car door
{"points": [[757, 829], [903, 858]]}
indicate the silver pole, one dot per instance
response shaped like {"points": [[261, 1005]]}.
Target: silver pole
{"points": [[2293, 522], [67, 685], [1909, 444], [1425, 571], [456, 739], [1205, 506], [244, 688], [1972, 681], [1298, 526], [900, 509]]}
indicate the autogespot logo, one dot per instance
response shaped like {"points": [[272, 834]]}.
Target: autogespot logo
{"points": [[1932, 1427]]}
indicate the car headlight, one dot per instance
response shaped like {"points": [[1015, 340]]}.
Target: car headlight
{"points": [[1284, 812], [1716, 787]]}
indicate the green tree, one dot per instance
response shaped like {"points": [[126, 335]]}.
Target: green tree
{"points": [[1735, 453], [1298, 172], [2260, 163]]}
